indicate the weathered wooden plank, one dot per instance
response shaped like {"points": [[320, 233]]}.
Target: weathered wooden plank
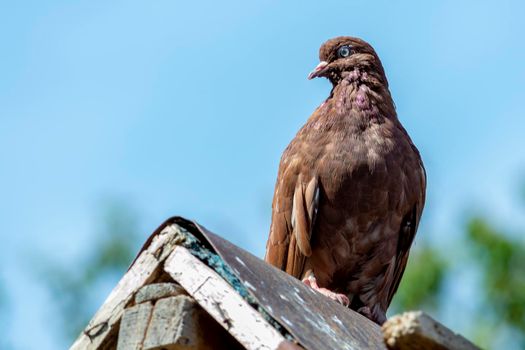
{"points": [[175, 325], [155, 291], [142, 272], [133, 326], [416, 330], [317, 322], [222, 302]]}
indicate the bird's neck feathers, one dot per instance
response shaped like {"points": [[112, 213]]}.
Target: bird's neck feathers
{"points": [[363, 94]]}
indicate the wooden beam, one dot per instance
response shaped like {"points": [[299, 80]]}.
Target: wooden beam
{"points": [[416, 330], [144, 269], [222, 302], [174, 324], [133, 326], [165, 317]]}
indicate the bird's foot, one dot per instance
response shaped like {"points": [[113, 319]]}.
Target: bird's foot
{"points": [[340, 298]]}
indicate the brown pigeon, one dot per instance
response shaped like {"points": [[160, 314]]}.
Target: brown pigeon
{"points": [[350, 188]]}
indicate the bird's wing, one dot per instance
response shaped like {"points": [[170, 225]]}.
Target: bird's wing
{"points": [[407, 233], [293, 214]]}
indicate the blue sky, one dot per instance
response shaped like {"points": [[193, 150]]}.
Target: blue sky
{"points": [[184, 108]]}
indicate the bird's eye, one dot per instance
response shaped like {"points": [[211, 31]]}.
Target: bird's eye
{"points": [[344, 51]]}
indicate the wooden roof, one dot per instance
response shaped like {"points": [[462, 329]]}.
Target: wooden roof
{"points": [[258, 306]]}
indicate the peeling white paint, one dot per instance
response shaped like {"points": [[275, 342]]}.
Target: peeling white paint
{"points": [[298, 297], [337, 320], [287, 321], [240, 261], [222, 302], [249, 285]]}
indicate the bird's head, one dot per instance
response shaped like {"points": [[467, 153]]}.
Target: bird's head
{"points": [[343, 57]]}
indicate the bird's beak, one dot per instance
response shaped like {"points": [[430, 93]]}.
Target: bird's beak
{"points": [[318, 70]]}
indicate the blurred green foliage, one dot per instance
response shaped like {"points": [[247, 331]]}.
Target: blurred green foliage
{"points": [[106, 259], [496, 256], [502, 260], [499, 259], [422, 281]]}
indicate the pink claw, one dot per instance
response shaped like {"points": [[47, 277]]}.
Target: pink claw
{"points": [[340, 298]]}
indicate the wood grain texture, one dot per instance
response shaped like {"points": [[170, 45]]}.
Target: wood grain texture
{"points": [[133, 326], [314, 321], [222, 302], [143, 271], [175, 325], [317, 322], [416, 330], [155, 291]]}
